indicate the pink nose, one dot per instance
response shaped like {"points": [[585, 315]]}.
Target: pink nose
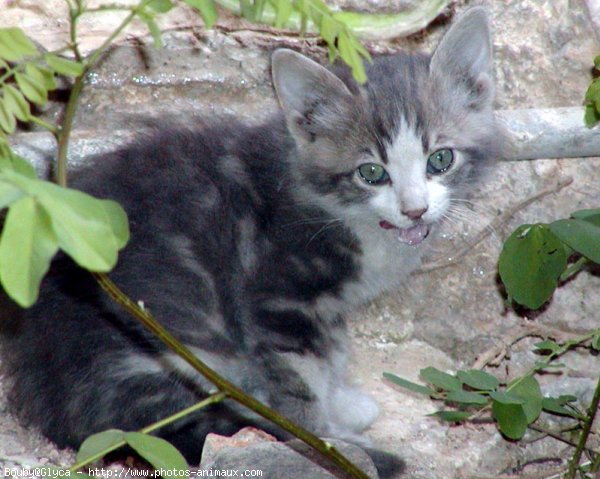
{"points": [[415, 214]]}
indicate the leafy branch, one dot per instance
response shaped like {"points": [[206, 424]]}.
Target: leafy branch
{"points": [[516, 406]]}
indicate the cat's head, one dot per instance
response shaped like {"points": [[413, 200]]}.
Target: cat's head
{"points": [[394, 152]]}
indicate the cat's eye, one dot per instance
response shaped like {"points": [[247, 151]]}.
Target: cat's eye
{"points": [[439, 161], [373, 174]]}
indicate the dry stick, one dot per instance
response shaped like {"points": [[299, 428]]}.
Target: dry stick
{"points": [[559, 437], [495, 223], [493, 355], [232, 391], [551, 473]]}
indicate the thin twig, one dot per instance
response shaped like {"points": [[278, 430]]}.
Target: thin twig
{"points": [[497, 353], [212, 399], [235, 393], [71, 109], [559, 437], [495, 224], [551, 473]]}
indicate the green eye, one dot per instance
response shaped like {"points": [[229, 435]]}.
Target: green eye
{"points": [[373, 174], [439, 161]]}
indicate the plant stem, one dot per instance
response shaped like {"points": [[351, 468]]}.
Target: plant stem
{"points": [[573, 269], [49, 126], [74, 14], [64, 133], [235, 393], [71, 108], [212, 399], [585, 432]]}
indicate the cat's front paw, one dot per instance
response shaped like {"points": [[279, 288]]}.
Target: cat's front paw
{"points": [[353, 409]]}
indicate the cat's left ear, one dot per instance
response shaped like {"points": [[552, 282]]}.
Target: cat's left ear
{"points": [[312, 98], [463, 59]]}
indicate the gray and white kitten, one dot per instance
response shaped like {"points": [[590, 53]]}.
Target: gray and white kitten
{"points": [[250, 243]]}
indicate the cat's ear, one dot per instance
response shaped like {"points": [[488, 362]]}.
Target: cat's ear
{"points": [[312, 98], [463, 59]]}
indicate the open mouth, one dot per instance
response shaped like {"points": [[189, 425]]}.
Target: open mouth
{"points": [[412, 235]]}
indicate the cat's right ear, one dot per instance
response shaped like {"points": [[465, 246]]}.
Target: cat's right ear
{"points": [[462, 62], [312, 98]]}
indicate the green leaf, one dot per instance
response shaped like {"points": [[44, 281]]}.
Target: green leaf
{"points": [[344, 48], [14, 45], [246, 9], [478, 379], [547, 345], [596, 342], [82, 226], [34, 90], [157, 451], [284, 10], [7, 119], [27, 246], [584, 214], [259, 8], [99, 443], [529, 389], [16, 103], [329, 29], [10, 161], [160, 6], [593, 90], [591, 116], [42, 75], [64, 66], [8, 194], [566, 398], [597, 61], [348, 51], [530, 264], [452, 416], [152, 27], [80, 222], [207, 9], [414, 387], [581, 235], [440, 379], [504, 397], [555, 406], [511, 419], [466, 397], [118, 221]]}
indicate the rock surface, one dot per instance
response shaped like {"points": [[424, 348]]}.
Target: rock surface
{"points": [[252, 450], [447, 318]]}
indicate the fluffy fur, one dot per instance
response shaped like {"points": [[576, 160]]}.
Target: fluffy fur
{"points": [[249, 243]]}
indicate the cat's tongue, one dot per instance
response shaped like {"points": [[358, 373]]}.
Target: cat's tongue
{"points": [[412, 236]]}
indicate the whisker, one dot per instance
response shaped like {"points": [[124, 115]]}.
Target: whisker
{"points": [[331, 224]]}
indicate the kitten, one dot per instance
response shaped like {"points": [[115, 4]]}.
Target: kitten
{"points": [[250, 243]]}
